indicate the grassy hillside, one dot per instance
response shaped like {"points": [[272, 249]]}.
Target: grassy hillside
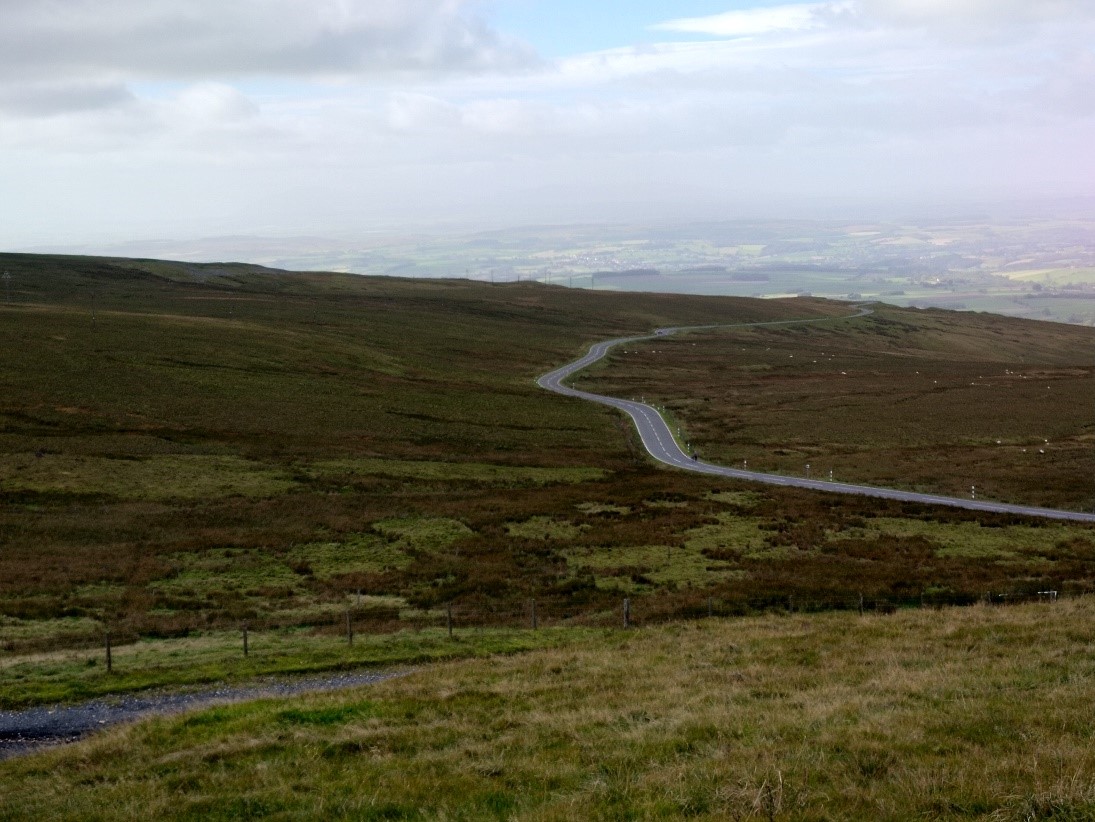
{"points": [[185, 449], [976, 713]]}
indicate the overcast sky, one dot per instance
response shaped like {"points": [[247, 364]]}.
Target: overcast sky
{"points": [[133, 119]]}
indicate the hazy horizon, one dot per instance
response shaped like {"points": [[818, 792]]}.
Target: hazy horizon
{"points": [[124, 121]]}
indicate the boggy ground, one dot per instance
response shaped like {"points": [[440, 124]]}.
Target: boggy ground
{"points": [[971, 713]]}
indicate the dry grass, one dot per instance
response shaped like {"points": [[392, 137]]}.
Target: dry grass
{"points": [[977, 713]]}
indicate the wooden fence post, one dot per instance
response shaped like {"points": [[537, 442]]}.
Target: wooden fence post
{"points": [[245, 639], [627, 613], [448, 620], [349, 629], [109, 657]]}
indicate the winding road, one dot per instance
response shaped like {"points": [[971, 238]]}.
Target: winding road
{"points": [[659, 441]]}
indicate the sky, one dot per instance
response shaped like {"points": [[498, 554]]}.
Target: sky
{"points": [[138, 119]]}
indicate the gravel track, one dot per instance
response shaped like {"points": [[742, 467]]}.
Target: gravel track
{"points": [[26, 731]]}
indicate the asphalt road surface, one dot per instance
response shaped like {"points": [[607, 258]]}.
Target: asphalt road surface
{"points": [[659, 441]]}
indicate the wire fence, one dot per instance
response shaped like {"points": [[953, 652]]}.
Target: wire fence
{"points": [[356, 620], [638, 612]]}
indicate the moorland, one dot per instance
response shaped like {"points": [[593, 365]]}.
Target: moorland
{"points": [[187, 449], [926, 400]]}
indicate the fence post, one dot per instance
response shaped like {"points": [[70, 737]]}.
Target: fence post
{"points": [[245, 639], [349, 629], [109, 657], [710, 607], [448, 619], [534, 621], [861, 604], [627, 613]]}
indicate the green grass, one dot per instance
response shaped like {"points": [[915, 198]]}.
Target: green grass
{"points": [[215, 657], [365, 552], [975, 541], [545, 528], [638, 568], [977, 713], [185, 476]]}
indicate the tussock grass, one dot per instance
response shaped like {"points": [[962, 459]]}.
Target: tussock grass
{"points": [[978, 713]]}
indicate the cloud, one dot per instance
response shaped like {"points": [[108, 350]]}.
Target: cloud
{"points": [[214, 102], [750, 22], [994, 14], [289, 112], [138, 39], [53, 98], [416, 112], [969, 20]]}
